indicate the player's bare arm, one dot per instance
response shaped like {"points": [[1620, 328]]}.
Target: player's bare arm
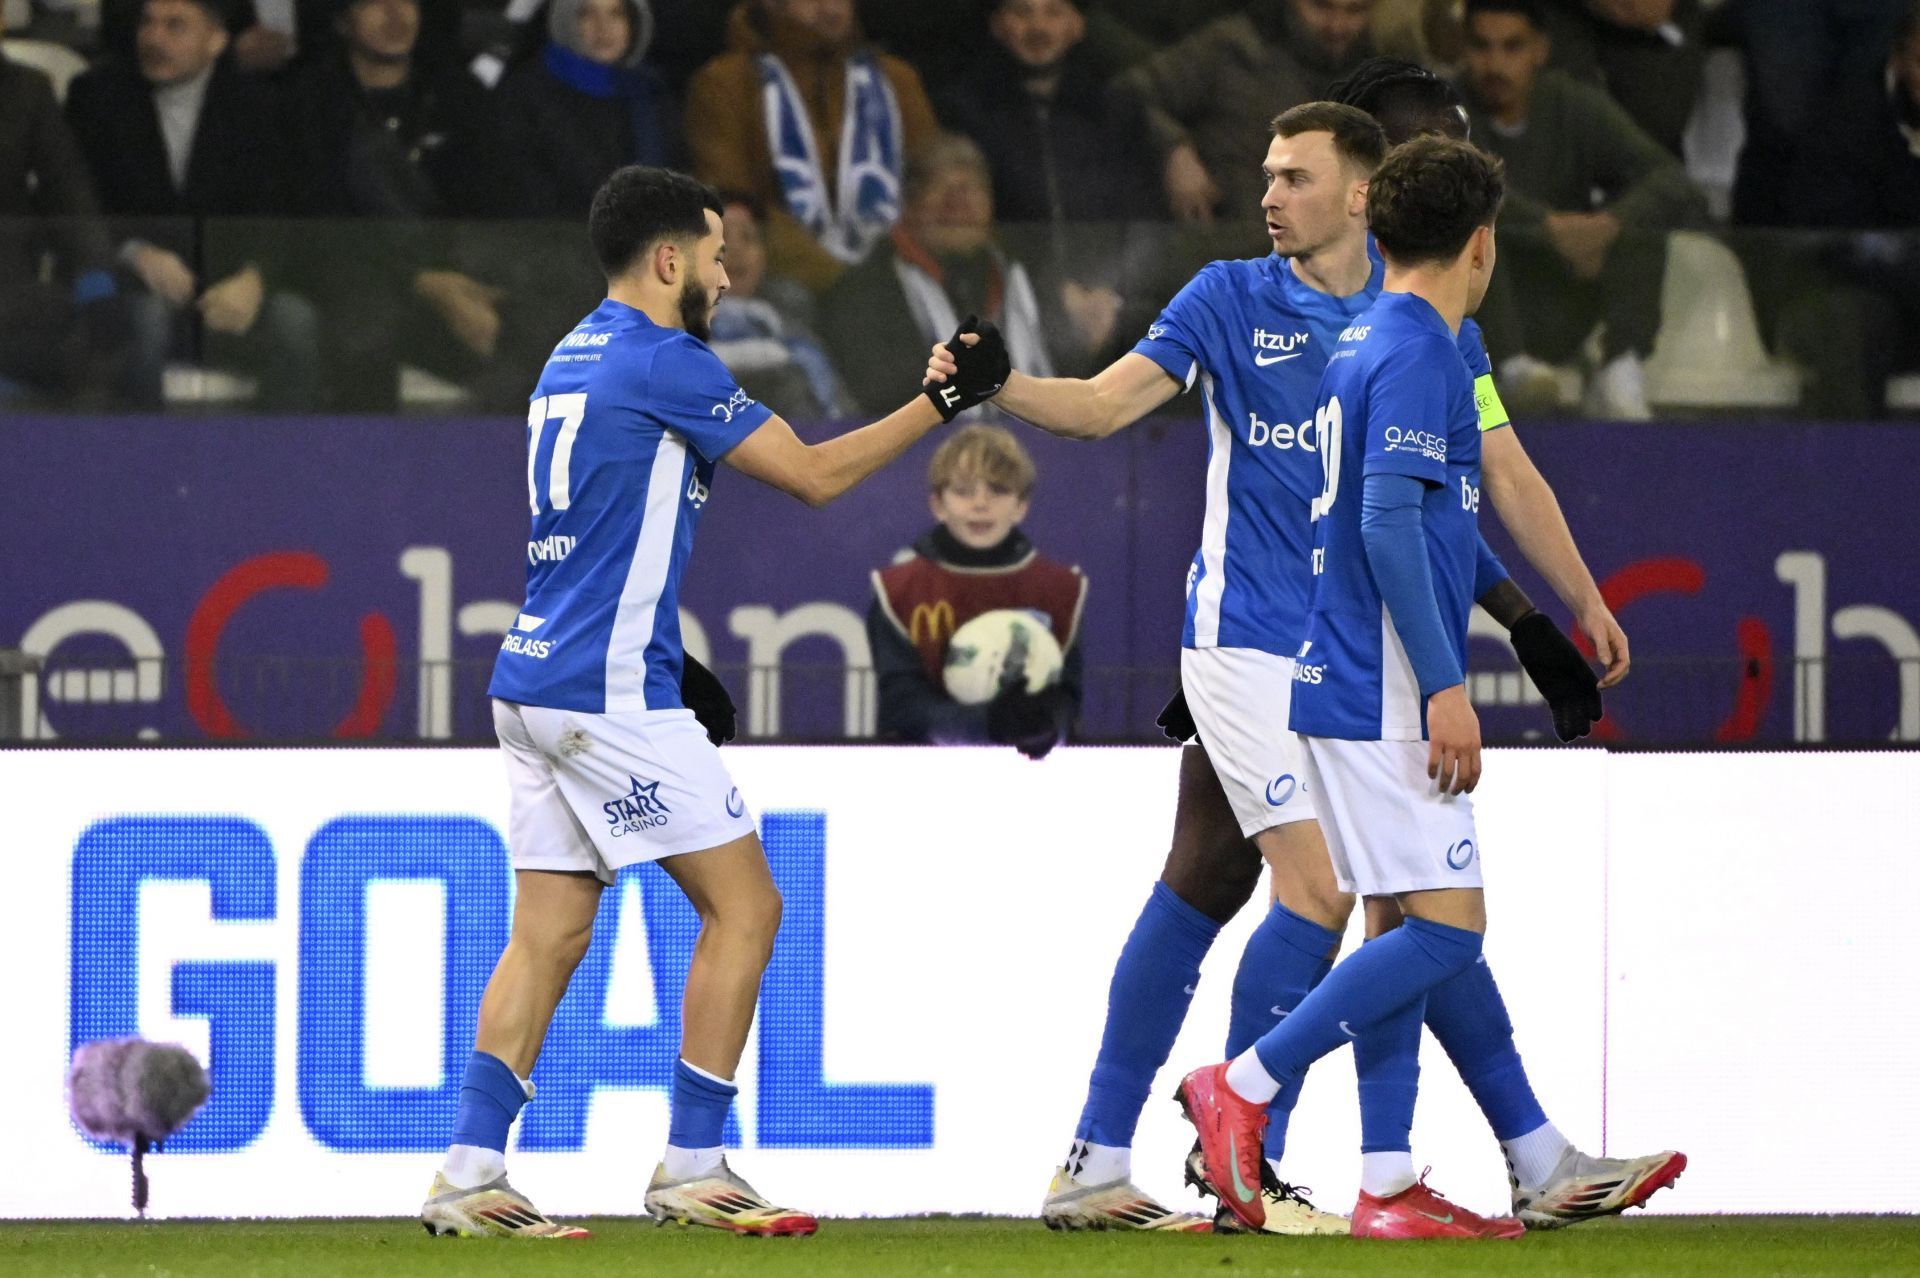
{"points": [[1078, 407], [818, 473], [1532, 515]]}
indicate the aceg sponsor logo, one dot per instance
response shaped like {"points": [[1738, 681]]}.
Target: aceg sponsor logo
{"points": [[1424, 442], [738, 402]]}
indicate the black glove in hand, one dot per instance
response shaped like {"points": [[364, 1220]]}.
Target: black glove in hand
{"points": [[703, 693], [1176, 717], [1563, 676], [1030, 722], [981, 369]]}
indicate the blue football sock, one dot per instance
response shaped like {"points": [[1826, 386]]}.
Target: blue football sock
{"points": [[1383, 977], [490, 1099], [1286, 956], [698, 1113], [1386, 1057], [1152, 985], [1470, 1019]]}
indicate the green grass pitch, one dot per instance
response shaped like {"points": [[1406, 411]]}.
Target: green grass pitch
{"points": [[1694, 1247]]}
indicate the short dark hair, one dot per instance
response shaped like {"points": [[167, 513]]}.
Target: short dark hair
{"points": [[1909, 26], [1531, 10], [640, 206], [1429, 197], [1356, 135], [1405, 97]]}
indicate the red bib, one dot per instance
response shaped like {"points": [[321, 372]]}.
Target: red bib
{"points": [[927, 600]]}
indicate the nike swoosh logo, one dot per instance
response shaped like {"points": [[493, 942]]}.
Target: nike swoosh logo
{"points": [[1263, 360], [1344, 1030], [1233, 1163], [1438, 1220], [1278, 1011], [1190, 989]]}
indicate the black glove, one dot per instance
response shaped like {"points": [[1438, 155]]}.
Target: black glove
{"points": [[704, 694], [1176, 718], [1030, 722], [981, 369], [1563, 676]]}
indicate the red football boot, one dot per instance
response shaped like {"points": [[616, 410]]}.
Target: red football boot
{"points": [[1418, 1212], [1232, 1131]]}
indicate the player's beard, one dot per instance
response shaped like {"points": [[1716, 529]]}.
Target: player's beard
{"points": [[696, 312]]}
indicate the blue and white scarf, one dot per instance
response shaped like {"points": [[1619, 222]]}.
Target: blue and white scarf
{"points": [[867, 182]]}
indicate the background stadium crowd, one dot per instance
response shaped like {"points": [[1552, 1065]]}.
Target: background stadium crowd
{"points": [[308, 197]]}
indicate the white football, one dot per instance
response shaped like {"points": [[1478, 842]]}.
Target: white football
{"points": [[1008, 646]]}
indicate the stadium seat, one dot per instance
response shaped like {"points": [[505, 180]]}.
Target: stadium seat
{"points": [[1708, 353], [421, 389], [183, 383], [59, 62], [1903, 393], [1717, 130]]}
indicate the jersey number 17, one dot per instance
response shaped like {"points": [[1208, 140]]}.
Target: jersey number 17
{"points": [[569, 410]]}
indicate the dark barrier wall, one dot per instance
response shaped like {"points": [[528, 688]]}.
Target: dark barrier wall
{"points": [[288, 577]]}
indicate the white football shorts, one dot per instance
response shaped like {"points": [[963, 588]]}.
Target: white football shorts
{"points": [[1240, 699], [596, 792], [1389, 828]]}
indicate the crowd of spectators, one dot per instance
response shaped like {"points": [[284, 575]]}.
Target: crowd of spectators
{"points": [[317, 193]]}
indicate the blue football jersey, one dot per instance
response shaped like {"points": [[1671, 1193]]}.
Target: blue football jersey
{"points": [[1256, 339], [1397, 399], [626, 426]]}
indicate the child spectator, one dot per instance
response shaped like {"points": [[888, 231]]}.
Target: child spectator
{"points": [[974, 560]]}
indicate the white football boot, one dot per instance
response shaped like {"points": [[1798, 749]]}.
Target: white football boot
{"points": [[492, 1210], [1289, 1211], [1584, 1188]]}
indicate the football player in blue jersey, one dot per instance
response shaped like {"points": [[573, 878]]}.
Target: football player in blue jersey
{"points": [[607, 765], [1391, 743], [1213, 867]]}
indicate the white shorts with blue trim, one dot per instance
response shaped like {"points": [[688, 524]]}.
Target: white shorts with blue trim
{"points": [[1240, 699], [1388, 826], [597, 792]]}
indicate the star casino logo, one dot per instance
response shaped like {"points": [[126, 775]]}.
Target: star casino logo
{"points": [[638, 809]]}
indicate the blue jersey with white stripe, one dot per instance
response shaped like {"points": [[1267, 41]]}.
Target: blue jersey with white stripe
{"points": [[1397, 399], [626, 426], [1256, 338]]}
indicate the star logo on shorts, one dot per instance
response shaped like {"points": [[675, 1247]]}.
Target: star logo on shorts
{"points": [[638, 809]]}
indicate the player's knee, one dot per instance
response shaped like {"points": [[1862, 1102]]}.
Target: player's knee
{"points": [[1320, 901], [555, 948], [752, 918], [1217, 880]]}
